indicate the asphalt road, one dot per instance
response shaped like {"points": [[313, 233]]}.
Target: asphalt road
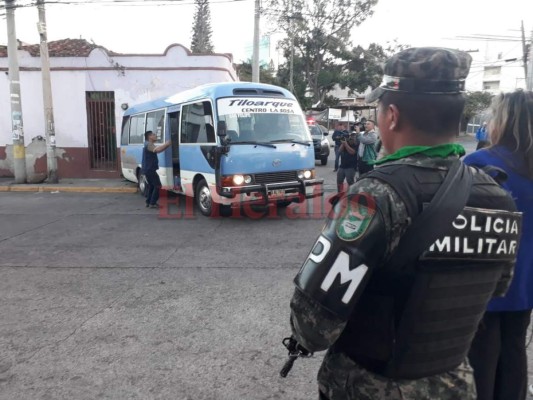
{"points": [[101, 298]]}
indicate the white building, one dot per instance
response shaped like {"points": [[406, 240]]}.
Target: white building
{"points": [[497, 67], [90, 87]]}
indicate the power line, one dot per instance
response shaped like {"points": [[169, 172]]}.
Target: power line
{"points": [[120, 3], [491, 64]]}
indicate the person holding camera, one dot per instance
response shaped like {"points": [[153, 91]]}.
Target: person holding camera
{"points": [[338, 134], [348, 161]]}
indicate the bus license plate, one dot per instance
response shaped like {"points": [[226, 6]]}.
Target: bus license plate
{"points": [[274, 194]]}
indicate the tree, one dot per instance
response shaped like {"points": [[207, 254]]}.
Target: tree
{"points": [[364, 67], [300, 86], [318, 36], [244, 71], [201, 29], [475, 103]]}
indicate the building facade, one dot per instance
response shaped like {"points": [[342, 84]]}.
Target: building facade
{"points": [[91, 88], [497, 67]]}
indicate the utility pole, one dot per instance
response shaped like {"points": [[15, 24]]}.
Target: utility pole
{"points": [[19, 151], [529, 78], [51, 160], [524, 51], [255, 56], [291, 64]]}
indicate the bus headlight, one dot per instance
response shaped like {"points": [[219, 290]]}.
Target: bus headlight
{"points": [[238, 180], [306, 174]]}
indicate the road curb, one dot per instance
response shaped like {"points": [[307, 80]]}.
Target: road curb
{"points": [[73, 189]]}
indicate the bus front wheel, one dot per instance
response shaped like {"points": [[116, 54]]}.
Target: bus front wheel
{"points": [[204, 200], [141, 183]]}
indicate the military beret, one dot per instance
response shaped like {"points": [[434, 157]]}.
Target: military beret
{"points": [[427, 70]]}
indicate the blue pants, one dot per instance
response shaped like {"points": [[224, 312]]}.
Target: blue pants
{"points": [[152, 188], [337, 156]]}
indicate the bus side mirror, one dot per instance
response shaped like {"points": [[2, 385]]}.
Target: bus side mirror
{"points": [[221, 129], [223, 135]]}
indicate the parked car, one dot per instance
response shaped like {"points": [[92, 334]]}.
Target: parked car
{"points": [[320, 142]]}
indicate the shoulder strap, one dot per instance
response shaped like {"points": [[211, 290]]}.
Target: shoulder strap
{"points": [[496, 173], [435, 220]]}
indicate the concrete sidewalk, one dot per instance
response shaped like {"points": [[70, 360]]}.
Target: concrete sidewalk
{"points": [[71, 185]]}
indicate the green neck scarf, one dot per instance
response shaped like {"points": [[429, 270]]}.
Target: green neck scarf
{"points": [[441, 150]]}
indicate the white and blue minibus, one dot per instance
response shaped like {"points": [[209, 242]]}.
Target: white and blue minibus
{"points": [[232, 143]]}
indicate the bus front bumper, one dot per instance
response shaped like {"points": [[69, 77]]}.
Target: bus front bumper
{"points": [[284, 191]]}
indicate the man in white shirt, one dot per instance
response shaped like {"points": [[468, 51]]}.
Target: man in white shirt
{"points": [[367, 152]]}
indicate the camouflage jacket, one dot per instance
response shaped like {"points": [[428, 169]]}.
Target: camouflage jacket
{"points": [[317, 329]]}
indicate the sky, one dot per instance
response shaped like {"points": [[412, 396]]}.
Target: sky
{"points": [[147, 28]]}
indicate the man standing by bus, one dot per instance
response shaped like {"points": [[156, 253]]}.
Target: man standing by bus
{"points": [[149, 167]]}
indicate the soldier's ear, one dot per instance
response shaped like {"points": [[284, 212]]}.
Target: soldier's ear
{"points": [[392, 117]]}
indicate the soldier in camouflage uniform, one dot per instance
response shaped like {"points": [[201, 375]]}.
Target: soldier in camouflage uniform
{"points": [[402, 331]]}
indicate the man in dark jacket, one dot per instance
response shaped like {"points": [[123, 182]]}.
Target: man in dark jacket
{"points": [[149, 167], [348, 162], [393, 288], [337, 136]]}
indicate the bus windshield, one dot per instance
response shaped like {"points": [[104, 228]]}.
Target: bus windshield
{"points": [[262, 120]]}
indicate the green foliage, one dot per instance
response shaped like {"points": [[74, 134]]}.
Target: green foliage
{"points": [[299, 81], [476, 102], [266, 75], [364, 67], [201, 28], [319, 33]]}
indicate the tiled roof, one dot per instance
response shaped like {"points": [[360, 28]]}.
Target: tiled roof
{"points": [[61, 48]]}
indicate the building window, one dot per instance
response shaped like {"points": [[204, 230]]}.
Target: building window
{"points": [[491, 85], [492, 71]]}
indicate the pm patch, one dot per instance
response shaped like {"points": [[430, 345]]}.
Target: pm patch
{"points": [[354, 216]]}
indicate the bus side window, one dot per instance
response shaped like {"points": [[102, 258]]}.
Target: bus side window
{"points": [[197, 123], [124, 139], [137, 129], [173, 123], [210, 133], [189, 131], [155, 121]]}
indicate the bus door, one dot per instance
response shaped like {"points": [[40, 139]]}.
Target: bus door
{"points": [[198, 146], [173, 124]]}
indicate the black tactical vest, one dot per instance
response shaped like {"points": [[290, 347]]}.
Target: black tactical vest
{"points": [[419, 320]]}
